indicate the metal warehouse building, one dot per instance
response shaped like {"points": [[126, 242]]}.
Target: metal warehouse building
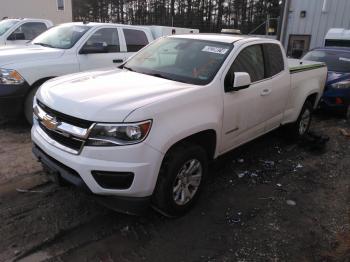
{"points": [[306, 22], [58, 11]]}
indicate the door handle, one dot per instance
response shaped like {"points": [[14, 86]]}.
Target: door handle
{"points": [[118, 61], [266, 92]]}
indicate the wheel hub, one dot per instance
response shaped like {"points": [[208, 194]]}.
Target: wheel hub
{"points": [[187, 182], [304, 122]]}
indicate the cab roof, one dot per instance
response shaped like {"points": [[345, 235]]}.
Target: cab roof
{"points": [[224, 38]]}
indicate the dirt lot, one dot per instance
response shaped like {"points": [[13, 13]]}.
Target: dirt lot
{"points": [[270, 200]]}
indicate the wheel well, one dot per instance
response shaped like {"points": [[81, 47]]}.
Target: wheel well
{"points": [[39, 83], [312, 98], [205, 139]]}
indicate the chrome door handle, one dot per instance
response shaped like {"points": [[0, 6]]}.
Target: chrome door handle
{"points": [[266, 92]]}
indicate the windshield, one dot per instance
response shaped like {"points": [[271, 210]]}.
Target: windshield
{"points": [[337, 61], [62, 37], [5, 25], [184, 60]]}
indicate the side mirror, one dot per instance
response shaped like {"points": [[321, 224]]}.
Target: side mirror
{"points": [[97, 48], [16, 36], [241, 81]]}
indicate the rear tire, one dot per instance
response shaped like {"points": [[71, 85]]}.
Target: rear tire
{"points": [[28, 105], [301, 127], [180, 180]]}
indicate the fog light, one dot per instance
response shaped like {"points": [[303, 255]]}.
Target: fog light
{"points": [[113, 180]]}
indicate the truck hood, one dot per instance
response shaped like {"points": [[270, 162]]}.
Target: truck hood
{"points": [[106, 95], [10, 56]]}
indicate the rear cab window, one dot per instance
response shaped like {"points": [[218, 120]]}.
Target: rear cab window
{"points": [[274, 61], [135, 39]]}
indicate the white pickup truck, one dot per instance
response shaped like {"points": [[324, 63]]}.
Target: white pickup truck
{"points": [[65, 49], [21, 31], [145, 133]]}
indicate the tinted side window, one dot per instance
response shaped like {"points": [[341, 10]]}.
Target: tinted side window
{"points": [[31, 30], [251, 61], [107, 38], [274, 59], [135, 39]]}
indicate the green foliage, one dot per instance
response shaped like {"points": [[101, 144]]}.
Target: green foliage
{"points": [[207, 15]]}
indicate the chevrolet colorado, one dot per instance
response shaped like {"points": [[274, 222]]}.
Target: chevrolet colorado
{"points": [[144, 133]]}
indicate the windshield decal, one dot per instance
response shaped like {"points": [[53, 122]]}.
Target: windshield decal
{"points": [[215, 50]]}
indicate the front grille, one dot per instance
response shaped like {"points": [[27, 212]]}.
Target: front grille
{"points": [[70, 142], [65, 118], [61, 136]]}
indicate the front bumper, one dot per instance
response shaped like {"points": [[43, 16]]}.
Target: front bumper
{"points": [[12, 99], [129, 205], [141, 160]]}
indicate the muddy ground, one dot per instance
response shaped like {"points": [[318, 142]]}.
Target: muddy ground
{"points": [[271, 200]]}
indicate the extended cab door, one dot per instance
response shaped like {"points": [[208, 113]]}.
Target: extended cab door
{"points": [[25, 33], [274, 95], [101, 49], [244, 112]]}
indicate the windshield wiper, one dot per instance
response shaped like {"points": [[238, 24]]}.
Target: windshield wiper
{"points": [[128, 68], [161, 76], [45, 45]]}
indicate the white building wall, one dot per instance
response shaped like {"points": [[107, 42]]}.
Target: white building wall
{"points": [[46, 9], [317, 21]]}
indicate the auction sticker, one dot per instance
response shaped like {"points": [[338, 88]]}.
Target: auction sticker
{"points": [[215, 50]]}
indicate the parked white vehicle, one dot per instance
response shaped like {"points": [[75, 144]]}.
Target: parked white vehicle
{"points": [[337, 37], [145, 133], [21, 31], [65, 49]]}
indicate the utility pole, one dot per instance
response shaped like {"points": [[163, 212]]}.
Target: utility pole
{"points": [[267, 24]]}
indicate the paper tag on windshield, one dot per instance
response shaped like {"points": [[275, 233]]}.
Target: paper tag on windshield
{"points": [[215, 50], [344, 59]]}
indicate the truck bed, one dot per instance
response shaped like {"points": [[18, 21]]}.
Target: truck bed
{"points": [[306, 78], [297, 65]]}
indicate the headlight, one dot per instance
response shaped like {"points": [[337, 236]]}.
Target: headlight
{"points": [[119, 134], [342, 84], [10, 77]]}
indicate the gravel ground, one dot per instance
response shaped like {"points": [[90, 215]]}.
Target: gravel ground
{"points": [[271, 200]]}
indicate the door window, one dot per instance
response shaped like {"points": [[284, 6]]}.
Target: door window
{"points": [[29, 30], [251, 61], [135, 39], [107, 38], [274, 59]]}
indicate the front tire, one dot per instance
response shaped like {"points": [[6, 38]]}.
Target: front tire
{"points": [[28, 105], [180, 180]]}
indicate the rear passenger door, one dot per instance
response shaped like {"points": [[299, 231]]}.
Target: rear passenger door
{"points": [[134, 40], [104, 50], [26, 32], [274, 94]]}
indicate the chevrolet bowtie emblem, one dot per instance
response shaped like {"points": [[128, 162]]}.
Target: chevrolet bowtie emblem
{"points": [[50, 122]]}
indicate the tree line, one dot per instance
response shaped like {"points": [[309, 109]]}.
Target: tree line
{"points": [[249, 16]]}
